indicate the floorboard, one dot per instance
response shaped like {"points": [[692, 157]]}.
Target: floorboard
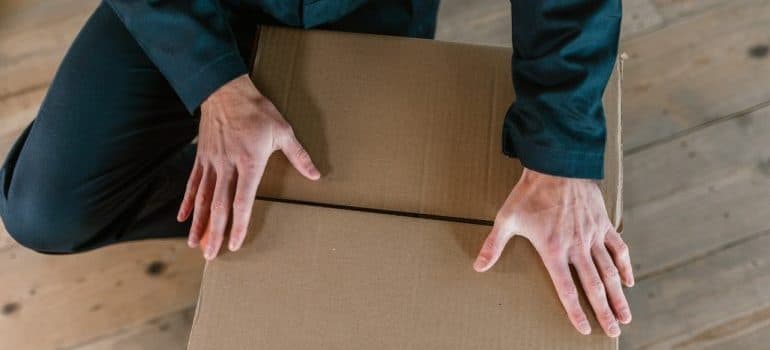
{"points": [[60, 301], [169, 332], [694, 71], [699, 303], [689, 196]]}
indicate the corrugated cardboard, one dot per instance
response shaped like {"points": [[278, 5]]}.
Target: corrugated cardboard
{"points": [[399, 124], [404, 127], [322, 278]]}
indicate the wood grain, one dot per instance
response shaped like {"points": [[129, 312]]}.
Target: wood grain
{"points": [[673, 10], [486, 22], [51, 301], [716, 297], [168, 332], [690, 196], [30, 56], [695, 71], [639, 16]]}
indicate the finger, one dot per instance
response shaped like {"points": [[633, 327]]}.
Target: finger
{"points": [[245, 192], [567, 291], [202, 207], [193, 181], [611, 278], [620, 255], [594, 288], [299, 157], [491, 250], [221, 204]]}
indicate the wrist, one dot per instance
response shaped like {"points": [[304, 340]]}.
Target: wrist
{"points": [[239, 88]]}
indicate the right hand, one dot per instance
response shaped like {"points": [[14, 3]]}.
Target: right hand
{"points": [[239, 130]]}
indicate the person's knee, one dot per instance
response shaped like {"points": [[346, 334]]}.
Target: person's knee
{"points": [[47, 222]]}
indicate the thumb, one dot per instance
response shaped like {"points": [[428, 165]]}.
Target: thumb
{"points": [[299, 157], [492, 249]]}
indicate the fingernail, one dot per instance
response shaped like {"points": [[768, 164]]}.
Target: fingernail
{"points": [[233, 246], [314, 173], [614, 330], [584, 328]]}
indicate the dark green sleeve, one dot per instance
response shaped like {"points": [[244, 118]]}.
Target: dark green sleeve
{"points": [[564, 53], [190, 41]]}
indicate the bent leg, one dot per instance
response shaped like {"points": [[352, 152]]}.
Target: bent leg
{"points": [[107, 158]]}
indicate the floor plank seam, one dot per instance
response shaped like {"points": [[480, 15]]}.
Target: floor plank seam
{"points": [[740, 114], [695, 258]]}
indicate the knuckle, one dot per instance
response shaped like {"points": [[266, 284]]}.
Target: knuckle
{"points": [[240, 204], [569, 290], [201, 199], [490, 244], [284, 127], [605, 315], [610, 271], [219, 207], [576, 313], [621, 247], [553, 246], [238, 231], [596, 288], [301, 153]]}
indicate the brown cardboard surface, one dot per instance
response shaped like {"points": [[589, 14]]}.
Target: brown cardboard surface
{"points": [[320, 278], [400, 124], [394, 124]]}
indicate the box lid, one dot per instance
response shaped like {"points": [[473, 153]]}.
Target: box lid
{"points": [[402, 124]]}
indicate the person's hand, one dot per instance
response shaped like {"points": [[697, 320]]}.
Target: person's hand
{"points": [[567, 223], [239, 130]]}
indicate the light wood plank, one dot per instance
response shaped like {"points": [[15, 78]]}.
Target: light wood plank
{"points": [[695, 71], [690, 196], [697, 304], [19, 15], [482, 22], [5, 240], [60, 301], [489, 21], [639, 16], [169, 332], [673, 10], [30, 57], [756, 338]]}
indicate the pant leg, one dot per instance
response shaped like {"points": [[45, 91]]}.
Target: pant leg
{"points": [[107, 158]]}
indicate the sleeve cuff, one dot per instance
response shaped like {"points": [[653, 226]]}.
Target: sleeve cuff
{"points": [[195, 89], [574, 164]]}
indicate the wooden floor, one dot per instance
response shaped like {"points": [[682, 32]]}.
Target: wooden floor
{"points": [[697, 160]]}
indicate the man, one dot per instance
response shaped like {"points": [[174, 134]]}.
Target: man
{"points": [[105, 159]]}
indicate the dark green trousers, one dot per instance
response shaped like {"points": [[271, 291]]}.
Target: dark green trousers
{"points": [[106, 159]]}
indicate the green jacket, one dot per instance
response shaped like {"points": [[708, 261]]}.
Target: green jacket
{"points": [[564, 52]]}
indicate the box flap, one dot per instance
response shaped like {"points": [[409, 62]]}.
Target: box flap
{"points": [[304, 280], [401, 124]]}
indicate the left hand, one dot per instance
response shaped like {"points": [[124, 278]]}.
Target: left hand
{"points": [[567, 223]]}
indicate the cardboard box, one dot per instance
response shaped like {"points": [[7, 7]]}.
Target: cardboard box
{"points": [[378, 254]]}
